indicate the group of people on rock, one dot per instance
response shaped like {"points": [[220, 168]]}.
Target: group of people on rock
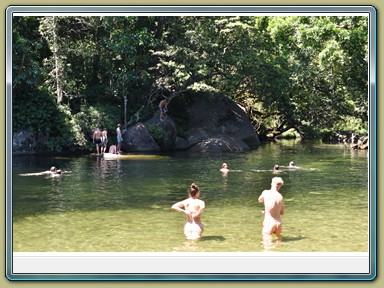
{"points": [[100, 139], [193, 207]]}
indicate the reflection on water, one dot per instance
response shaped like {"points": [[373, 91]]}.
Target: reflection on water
{"points": [[125, 205], [270, 242]]}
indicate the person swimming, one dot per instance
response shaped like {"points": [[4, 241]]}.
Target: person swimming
{"points": [[53, 171], [224, 168], [292, 165], [276, 169]]}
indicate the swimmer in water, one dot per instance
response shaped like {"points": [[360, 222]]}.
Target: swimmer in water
{"points": [[292, 165], [224, 168], [53, 171]]}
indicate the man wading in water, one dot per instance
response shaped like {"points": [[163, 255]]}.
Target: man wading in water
{"points": [[274, 208]]}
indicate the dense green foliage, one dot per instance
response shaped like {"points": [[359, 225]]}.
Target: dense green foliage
{"points": [[299, 73]]}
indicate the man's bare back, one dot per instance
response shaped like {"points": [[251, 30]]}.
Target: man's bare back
{"points": [[274, 208], [273, 203]]}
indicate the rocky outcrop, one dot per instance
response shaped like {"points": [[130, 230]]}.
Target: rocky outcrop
{"points": [[212, 124], [24, 142], [137, 138], [360, 143], [163, 132], [351, 140], [216, 124]]}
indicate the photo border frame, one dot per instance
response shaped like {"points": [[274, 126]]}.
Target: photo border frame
{"points": [[171, 9]]}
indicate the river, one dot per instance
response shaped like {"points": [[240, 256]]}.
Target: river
{"points": [[125, 205]]}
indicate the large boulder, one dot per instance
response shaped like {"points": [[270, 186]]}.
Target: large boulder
{"points": [[164, 132], [137, 138], [215, 124]]}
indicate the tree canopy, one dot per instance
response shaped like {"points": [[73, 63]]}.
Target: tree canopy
{"points": [[307, 74]]}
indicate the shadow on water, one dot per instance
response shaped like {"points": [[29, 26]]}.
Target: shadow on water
{"points": [[293, 238], [212, 238]]}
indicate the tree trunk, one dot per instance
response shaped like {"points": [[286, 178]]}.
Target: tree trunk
{"points": [[59, 88]]}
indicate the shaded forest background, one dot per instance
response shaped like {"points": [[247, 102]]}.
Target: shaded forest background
{"points": [[295, 76]]}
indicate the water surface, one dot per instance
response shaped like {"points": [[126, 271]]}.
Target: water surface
{"points": [[124, 205]]}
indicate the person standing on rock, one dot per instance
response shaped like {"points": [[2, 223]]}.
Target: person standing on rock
{"points": [[163, 106], [97, 139], [119, 139], [104, 140]]}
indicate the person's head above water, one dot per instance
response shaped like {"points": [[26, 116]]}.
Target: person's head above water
{"points": [[276, 167], [193, 190], [54, 170]]}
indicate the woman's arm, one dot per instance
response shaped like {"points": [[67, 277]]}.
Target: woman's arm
{"points": [[261, 198], [179, 207]]}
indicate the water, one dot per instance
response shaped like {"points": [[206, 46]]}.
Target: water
{"points": [[124, 205]]}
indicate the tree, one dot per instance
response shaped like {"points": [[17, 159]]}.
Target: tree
{"points": [[291, 72], [319, 64], [49, 30]]}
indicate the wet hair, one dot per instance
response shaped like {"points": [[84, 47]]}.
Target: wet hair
{"points": [[276, 167], [193, 189], [277, 181]]}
